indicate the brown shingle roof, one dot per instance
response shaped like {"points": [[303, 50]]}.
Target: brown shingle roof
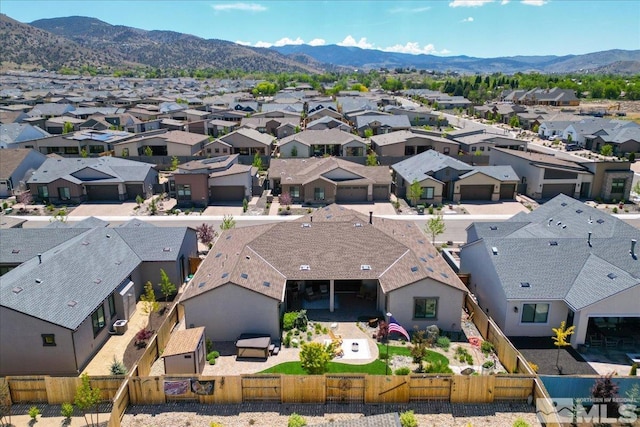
{"points": [[299, 171], [11, 159], [185, 341]]}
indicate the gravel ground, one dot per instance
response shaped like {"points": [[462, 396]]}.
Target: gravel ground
{"points": [[438, 414]]}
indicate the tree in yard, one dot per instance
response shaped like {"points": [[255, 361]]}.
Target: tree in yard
{"points": [[25, 198], [368, 133], [285, 199], [560, 339], [415, 191], [174, 163], [166, 286], [435, 227], [227, 222], [606, 391], [315, 357], [67, 127], [257, 161], [514, 122], [84, 153], [148, 151], [294, 151], [372, 159], [149, 298], [206, 234], [535, 128], [606, 150], [87, 398], [5, 403]]}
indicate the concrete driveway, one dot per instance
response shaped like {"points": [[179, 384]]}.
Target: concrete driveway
{"points": [[379, 208], [104, 209], [494, 208]]}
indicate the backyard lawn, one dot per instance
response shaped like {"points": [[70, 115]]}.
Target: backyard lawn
{"points": [[431, 357]]}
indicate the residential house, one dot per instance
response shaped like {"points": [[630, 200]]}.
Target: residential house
{"points": [[323, 111], [278, 127], [442, 177], [58, 306], [328, 122], [543, 176], [213, 180], [218, 128], [49, 110], [91, 141], [408, 143], [325, 180], [555, 97], [389, 264], [243, 141], [55, 125], [15, 133], [419, 116], [163, 143], [75, 180], [16, 166], [482, 142], [564, 261], [322, 142], [381, 124]]}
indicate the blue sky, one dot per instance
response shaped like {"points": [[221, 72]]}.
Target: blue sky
{"points": [[481, 28]]}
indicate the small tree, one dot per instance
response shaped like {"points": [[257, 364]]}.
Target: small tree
{"points": [[174, 163], [84, 153], [514, 122], [139, 200], [560, 339], [87, 398], [227, 222], [606, 150], [415, 191], [67, 127], [435, 227], [368, 133], [372, 159], [606, 391], [25, 198], [166, 286], [285, 199], [245, 205], [148, 151], [315, 357], [206, 234], [257, 161], [294, 151], [149, 299], [117, 367]]}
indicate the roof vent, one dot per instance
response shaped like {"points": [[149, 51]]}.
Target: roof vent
{"points": [[97, 281], [549, 222], [579, 211], [494, 250], [365, 267], [430, 269], [108, 236], [632, 251], [357, 224], [414, 269], [267, 284], [445, 275], [493, 227], [15, 251], [306, 225], [421, 241], [305, 267], [38, 281], [612, 276], [118, 262], [166, 249], [600, 221], [564, 226], [229, 236], [247, 257], [17, 290], [244, 275], [525, 284], [553, 243], [219, 254], [201, 284], [423, 259], [85, 243], [225, 275], [559, 223], [72, 303], [563, 204]]}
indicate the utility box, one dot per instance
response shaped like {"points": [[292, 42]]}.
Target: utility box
{"points": [[420, 209], [121, 326]]}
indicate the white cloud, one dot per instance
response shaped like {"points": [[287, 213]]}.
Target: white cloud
{"points": [[410, 10], [244, 7], [534, 2], [414, 48], [242, 43], [445, 52], [469, 19], [317, 42], [263, 44], [503, 2], [469, 3], [286, 41], [349, 41]]}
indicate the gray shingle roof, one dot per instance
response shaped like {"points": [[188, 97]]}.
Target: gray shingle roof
{"points": [[549, 249], [112, 169], [427, 163], [501, 173], [21, 244], [394, 121]]}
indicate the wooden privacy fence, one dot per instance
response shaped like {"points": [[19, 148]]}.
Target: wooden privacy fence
{"points": [[57, 390]]}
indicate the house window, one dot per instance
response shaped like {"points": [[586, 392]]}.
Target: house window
{"points": [[48, 340], [427, 193], [617, 185], [446, 150], [217, 150], [184, 191], [294, 191], [112, 305], [535, 313], [481, 148], [97, 320], [473, 148], [64, 193], [224, 150], [318, 193], [125, 152], [43, 191], [425, 308]]}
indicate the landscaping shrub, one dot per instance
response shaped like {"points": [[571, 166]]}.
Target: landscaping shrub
{"points": [[301, 320], [383, 356], [66, 410], [296, 420], [438, 367], [443, 343], [289, 320], [209, 345], [212, 361], [487, 347], [142, 336], [488, 364], [533, 366], [117, 367], [213, 355], [408, 419], [521, 423], [215, 424], [34, 412], [634, 370], [402, 371]]}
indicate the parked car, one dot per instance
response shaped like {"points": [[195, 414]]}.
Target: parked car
{"points": [[572, 147]]}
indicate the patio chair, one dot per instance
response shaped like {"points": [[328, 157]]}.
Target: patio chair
{"points": [[324, 289], [595, 341], [610, 342], [308, 291]]}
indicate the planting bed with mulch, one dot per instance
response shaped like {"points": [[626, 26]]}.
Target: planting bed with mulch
{"points": [[133, 352], [542, 352]]}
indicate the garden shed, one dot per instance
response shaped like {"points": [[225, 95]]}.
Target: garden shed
{"points": [[185, 352]]}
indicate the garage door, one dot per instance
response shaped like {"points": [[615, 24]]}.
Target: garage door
{"points": [[476, 192], [134, 190], [102, 192], [226, 193], [552, 190], [507, 191], [381, 193], [351, 194]]}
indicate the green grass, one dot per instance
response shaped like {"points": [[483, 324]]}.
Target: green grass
{"points": [[432, 356], [377, 367]]}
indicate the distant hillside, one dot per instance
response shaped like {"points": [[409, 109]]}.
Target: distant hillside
{"points": [[24, 45], [168, 49], [367, 58]]}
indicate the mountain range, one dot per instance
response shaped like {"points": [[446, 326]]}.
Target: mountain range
{"points": [[75, 41]]}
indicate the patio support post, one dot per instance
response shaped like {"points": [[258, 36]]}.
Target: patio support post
{"points": [[331, 295]]}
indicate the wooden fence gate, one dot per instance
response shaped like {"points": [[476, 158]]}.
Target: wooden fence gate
{"points": [[27, 389], [261, 388], [429, 388], [345, 388]]}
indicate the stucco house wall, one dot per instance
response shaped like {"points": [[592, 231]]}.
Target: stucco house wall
{"points": [[303, 150], [230, 310]]}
